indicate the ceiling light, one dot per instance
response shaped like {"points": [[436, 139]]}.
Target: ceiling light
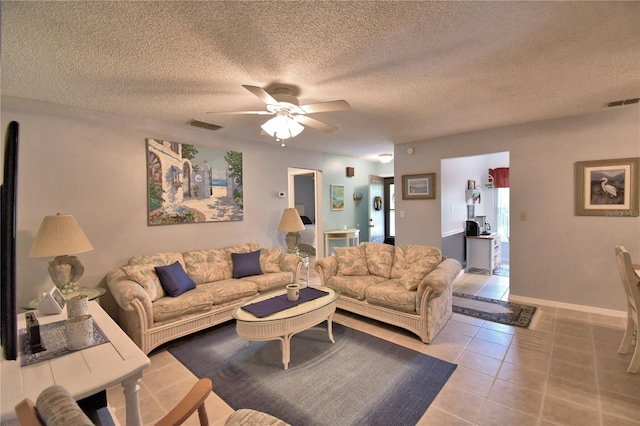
{"points": [[282, 126], [385, 158]]}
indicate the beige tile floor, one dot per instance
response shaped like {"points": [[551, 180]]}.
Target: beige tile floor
{"points": [[565, 372]]}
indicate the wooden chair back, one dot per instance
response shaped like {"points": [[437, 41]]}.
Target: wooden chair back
{"points": [[27, 412]]}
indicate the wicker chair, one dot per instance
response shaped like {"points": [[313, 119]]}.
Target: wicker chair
{"points": [[631, 283]]}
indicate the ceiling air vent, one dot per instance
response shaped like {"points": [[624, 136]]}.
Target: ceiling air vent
{"points": [[204, 125], [624, 102]]}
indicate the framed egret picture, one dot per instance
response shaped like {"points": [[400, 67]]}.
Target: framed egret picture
{"points": [[337, 197], [608, 188], [419, 187]]}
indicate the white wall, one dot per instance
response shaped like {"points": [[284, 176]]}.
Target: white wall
{"points": [[555, 255], [93, 165], [355, 213]]}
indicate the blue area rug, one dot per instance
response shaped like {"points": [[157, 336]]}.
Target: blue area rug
{"points": [[359, 380]]}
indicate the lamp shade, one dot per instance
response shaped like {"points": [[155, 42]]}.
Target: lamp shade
{"points": [[385, 158], [282, 126], [290, 221], [59, 235]]}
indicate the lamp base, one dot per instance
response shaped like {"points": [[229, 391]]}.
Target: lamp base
{"points": [[69, 288], [65, 272], [293, 239]]}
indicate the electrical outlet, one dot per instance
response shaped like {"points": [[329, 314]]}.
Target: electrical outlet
{"points": [[523, 216]]}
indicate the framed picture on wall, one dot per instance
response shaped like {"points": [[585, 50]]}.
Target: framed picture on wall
{"points": [[189, 183], [419, 187], [608, 188], [337, 197]]}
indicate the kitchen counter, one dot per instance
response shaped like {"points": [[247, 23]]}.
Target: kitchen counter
{"points": [[483, 253]]}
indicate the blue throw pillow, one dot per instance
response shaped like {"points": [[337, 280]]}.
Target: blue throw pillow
{"points": [[245, 264], [174, 279]]}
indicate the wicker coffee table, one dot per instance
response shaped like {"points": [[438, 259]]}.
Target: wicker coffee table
{"points": [[284, 324]]}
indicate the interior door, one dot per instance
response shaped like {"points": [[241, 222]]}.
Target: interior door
{"points": [[376, 209]]}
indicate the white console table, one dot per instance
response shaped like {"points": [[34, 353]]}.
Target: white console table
{"points": [[83, 373], [350, 236]]}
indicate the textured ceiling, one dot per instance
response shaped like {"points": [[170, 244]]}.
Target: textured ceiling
{"points": [[410, 70]]}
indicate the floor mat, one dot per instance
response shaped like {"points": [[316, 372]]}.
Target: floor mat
{"points": [[494, 310]]}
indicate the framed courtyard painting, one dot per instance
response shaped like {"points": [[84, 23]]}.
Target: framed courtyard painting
{"points": [[419, 187], [337, 197], [192, 184], [608, 188]]}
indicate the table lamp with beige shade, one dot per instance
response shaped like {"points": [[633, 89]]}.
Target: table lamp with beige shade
{"points": [[61, 236], [291, 224]]}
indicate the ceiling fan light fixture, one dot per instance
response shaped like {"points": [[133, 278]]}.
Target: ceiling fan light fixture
{"points": [[282, 126], [385, 158]]}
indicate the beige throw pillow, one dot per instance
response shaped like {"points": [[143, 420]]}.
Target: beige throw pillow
{"points": [[412, 263], [351, 261], [379, 258], [270, 260], [146, 276]]}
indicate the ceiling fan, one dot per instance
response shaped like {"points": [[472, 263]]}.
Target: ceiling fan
{"points": [[290, 116]]}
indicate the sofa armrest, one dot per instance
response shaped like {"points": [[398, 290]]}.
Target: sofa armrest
{"points": [[291, 263], [440, 279], [125, 292], [326, 268]]}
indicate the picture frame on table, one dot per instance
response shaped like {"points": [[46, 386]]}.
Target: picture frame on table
{"points": [[608, 188], [337, 197], [419, 186]]}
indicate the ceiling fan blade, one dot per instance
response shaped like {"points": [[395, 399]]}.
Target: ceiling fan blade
{"points": [[316, 124], [325, 106], [262, 94], [242, 112]]}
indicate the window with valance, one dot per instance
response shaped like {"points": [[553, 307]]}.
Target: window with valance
{"points": [[500, 177]]}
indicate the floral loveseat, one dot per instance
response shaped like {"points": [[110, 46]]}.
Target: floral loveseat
{"points": [[407, 286], [163, 296]]}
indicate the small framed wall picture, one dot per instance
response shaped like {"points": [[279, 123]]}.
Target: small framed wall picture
{"points": [[337, 197], [419, 187], [608, 188]]}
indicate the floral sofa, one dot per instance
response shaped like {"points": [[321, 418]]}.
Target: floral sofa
{"points": [[407, 286], [164, 296]]}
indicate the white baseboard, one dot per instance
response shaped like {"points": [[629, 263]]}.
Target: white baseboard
{"points": [[570, 306]]}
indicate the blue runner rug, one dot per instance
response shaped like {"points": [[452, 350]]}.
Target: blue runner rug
{"points": [[359, 380]]}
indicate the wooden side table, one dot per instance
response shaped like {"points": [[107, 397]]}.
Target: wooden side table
{"points": [[82, 373]]}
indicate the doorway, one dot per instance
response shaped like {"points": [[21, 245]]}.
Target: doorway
{"points": [[376, 209], [305, 195], [389, 211], [486, 204]]}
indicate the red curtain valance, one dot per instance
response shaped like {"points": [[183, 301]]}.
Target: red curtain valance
{"points": [[500, 177]]}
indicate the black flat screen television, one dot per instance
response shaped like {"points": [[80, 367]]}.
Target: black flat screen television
{"points": [[8, 212]]}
